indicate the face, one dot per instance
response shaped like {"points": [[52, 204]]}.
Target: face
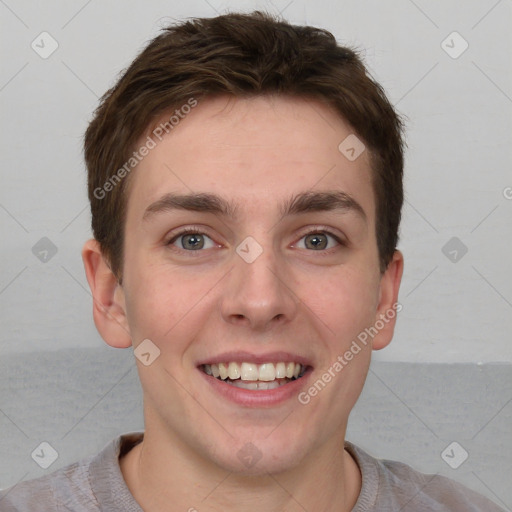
{"points": [[281, 266]]}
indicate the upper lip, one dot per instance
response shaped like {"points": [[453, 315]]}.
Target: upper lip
{"points": [[249, 357]]}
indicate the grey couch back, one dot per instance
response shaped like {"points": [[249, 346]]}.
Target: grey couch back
{"points": [[426, 415]]}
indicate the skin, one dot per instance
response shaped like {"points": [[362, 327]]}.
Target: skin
{"points": [[197, 304]]}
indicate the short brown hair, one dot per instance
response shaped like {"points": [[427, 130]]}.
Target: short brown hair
{"points": [[239, 55]]}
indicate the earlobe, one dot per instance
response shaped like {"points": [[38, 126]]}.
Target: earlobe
{"points": [[109, 309], [388, 306]]}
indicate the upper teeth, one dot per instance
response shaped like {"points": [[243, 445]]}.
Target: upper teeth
{"points": [[251, 371]]}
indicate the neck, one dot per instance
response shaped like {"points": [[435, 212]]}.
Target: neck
{"points": [[158, 474], [166, 471]]}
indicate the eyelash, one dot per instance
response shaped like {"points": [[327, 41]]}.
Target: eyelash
{"points": [[198, 231]]}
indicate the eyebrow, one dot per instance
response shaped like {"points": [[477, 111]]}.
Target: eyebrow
{"points": [[304, 202]]}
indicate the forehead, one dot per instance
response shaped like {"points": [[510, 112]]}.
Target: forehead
{"points": [[254, 152]]}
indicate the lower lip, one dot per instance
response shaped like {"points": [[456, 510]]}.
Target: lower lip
{"points": [[259, 397]]}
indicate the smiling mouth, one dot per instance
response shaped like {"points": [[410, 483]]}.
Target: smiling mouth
{"points": [[255, 376]]}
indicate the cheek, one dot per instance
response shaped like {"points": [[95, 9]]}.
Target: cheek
{"points": [[345, 301], [164, 303], [150, 299]]}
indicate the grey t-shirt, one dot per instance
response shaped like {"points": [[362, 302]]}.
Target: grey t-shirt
{"points": [[96, 483]]}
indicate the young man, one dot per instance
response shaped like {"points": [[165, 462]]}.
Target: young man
{"points": [[245, 179]]}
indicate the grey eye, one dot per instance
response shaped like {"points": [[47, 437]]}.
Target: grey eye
{"points": [[318, 241], [192, 241]]}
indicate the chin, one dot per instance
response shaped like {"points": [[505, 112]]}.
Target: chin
{"points": [[258, 456]]}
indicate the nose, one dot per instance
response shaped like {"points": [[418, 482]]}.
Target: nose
{"points": [[259, 295]]}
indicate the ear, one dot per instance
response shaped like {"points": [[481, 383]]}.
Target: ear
{"points": [[388, 306], [109, 310]]}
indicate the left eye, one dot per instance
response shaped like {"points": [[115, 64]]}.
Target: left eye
{"points": [[193, 241], [319, 240]]}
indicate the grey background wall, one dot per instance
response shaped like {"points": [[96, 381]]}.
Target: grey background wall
{"points": [[446, 377]]}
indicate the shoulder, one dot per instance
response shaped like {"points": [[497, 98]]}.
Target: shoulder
{"points": [[392, 485], [65, 489], [92, 484]]}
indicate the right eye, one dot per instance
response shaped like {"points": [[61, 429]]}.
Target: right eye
{"points": [[191, 240]]}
